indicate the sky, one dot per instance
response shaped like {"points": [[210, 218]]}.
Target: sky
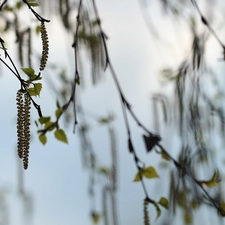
{"points": [[55, 178]]}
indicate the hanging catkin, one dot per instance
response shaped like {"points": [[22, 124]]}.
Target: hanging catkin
{"points": [[45, 46], [23, 126], [146, 215]]}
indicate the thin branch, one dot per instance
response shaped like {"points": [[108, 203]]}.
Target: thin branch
{"points": [[40, 18], [204, 20]]}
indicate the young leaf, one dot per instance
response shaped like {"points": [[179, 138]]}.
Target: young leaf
{"points": [[37, 29], [58, 104], [31, 91], [103, 120], [58, 112], [29, 72], [164, 202], [103, 170], [61, 136], [33, 3], [77, 80], [151, 141], [158, 210], [213, 181], [215, 176], [95, 217], [210, 183], [221, 211], [195, 204], [188, 218], [37, 88], [49, 126], [165, 156], [43, 138], [44, 119], [150, 172], [18, 5], [138, 177]]}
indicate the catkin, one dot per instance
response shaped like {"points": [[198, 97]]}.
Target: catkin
{"points": [[113, 143], [20, 47], [20, 122], [146, 215], [23, 126], [45, 46], [29, 48]]}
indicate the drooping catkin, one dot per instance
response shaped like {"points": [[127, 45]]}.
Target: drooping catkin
{"points": [[29, 48], [23, 126], [27, 103], [45, 46], [20, 47], [20, 122], [113, 145], [146, 215]]}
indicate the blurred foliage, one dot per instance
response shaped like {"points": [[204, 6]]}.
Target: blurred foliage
{"points": [[195, 110]]}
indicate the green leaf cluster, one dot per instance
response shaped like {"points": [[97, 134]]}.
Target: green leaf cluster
{"points": [[36, 89], [162, 202], [48, 126], [148, 172]]}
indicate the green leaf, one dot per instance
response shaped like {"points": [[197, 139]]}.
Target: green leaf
{"points": [[43, 138], [221, 212], [164, 202], [138, 177], [7, 8], [61, 136], [49, 126], [77, 80], [58, 104], [103, 170], [158, 210], [29, 72], [37, 88], [31, 91], [44, 119], [150, 172], [213, 181], [37, 29], [188, 218], [33, 3], [195, 204], [165, 156], [103, 120], [58, 113], [216, 175], [210, 183], [18, 5], [95, 217]]}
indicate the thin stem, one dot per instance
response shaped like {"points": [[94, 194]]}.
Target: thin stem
{"points": [[40, 18], [206, 23]]}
